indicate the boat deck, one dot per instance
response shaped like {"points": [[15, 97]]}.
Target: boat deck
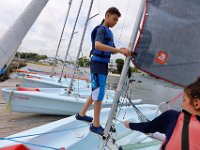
{"points": [[11, 123]]}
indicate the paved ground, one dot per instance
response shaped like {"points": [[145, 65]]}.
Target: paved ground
{"points": [[11, 123]]}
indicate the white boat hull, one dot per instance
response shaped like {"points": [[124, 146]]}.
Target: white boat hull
{"points": [[49, 101], [48, 82], [72, 134]]}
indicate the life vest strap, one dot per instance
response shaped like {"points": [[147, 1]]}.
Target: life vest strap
{"points": [[185, 132], [99, 55]]}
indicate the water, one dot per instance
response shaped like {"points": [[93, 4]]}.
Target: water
{"points": [[151, 91]]}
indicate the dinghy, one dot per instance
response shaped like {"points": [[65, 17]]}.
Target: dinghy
{"points": [[55, 101], [58, 101], [52, 101], [167, 46], [71, 134], [176, 64], [51, 82]]}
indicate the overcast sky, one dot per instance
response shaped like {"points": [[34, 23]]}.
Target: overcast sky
{"points": [[44, 35]]}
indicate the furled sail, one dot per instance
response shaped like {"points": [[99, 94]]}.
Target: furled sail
{"points": [[11, 40], [169, 46]]}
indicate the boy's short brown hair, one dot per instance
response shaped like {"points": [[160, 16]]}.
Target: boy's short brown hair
{"points": [[113, 11]]}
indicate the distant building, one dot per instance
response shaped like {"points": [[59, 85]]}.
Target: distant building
{"points": [[50, 60]]}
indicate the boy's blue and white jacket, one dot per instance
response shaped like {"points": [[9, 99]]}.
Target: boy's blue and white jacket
{"points": [[103, 34]]}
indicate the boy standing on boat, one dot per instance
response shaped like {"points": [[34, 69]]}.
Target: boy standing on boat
{"points": [[182, 129], [102, 48]]}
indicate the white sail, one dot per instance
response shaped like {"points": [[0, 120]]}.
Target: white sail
{"points": [[11, 40]]}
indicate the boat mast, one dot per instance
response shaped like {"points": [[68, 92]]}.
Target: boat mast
{"points": [[70, 41], [12, 38], [80, 46], [66, 18], [123, 76]]}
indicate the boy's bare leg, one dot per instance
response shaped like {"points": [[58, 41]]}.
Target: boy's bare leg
{"points": [[97, 109], [86, 106]]}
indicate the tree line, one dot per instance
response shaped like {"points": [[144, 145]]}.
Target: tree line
{"points": [[30, 56]]}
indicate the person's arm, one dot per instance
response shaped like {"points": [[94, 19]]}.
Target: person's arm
{"points": [[100, 46], [159, 124], [106, 48], [114, 47], [114, 52]]}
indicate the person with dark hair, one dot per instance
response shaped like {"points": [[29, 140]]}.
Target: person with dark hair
{"points": [[182, 129], [102, 47]]}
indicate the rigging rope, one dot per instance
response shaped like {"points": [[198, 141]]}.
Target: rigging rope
{"points": [[39, 134], [8, 106], [44, 133], [140, 114], [127, 8], [168, 102]]}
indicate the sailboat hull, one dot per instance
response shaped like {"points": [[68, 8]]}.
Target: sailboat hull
{"points": [[71, 134], [49, 101], [48, 82]]}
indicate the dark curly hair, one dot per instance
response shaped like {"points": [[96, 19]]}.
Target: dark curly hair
{"points": [[193, 90]]}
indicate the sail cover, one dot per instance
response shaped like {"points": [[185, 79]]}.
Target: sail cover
{"points": [[169, 45]]}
